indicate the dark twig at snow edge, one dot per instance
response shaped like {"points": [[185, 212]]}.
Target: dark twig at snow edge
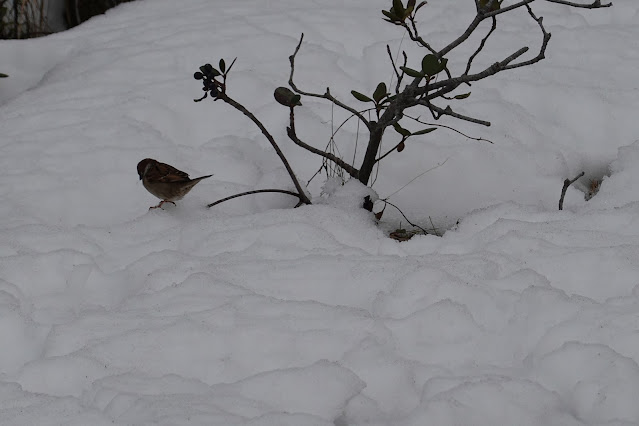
{"points": [[407, 220], [567, 183]]}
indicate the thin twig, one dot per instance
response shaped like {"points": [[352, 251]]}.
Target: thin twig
{"points": [[567, 183], [290, 131], [257, 191], [402, 213], [449, 128], [449, 111], [414, 35], [452, 83], [481, 45], [434, 228], [390, 55], [346, 121], [399, 75], [316, 173], [381, 157], [594, 5], [417, 177], [542, 50], [326, 95]]}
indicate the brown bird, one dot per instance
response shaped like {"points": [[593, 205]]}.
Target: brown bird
{"points": [[165, 182]]}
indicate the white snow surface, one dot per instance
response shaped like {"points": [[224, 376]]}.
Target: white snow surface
{"points": [[256, 313]]}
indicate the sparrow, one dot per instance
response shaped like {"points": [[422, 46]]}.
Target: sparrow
{"points": [[165, 182]]}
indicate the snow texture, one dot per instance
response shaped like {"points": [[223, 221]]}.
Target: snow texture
{"points": [[254, 313]]}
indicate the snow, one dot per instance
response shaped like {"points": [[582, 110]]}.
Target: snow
{"points": [[255, 313]]}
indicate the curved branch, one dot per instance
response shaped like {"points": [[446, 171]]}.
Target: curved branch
{"points": [[290, 131], [407, 219], [471, 28], [567, 183], [481, 15], [302, 195], [257, 191], [481, 46], [414, 35], [544, 44]]}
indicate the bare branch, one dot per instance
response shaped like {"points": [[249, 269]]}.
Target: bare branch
{"points": [[567, 183], [449, 128], [290, 131], [450, 112], [452, 83], [283, 191], [544, 44], [390, 55], [481, 45], [594, 5], [471, 28], [481, 15], [302, 195], [399, 75], [326, 95], [414, 35]]}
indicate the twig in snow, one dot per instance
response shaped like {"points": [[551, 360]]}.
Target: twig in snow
{"points": [[567, 183]]}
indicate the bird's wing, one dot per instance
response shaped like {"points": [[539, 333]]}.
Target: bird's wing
{"points": [[165, 173]]}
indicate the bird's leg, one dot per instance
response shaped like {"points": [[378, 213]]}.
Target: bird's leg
{"points": [[160, 205]]}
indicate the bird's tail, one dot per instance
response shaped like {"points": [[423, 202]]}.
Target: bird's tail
{"points": [[200, 178]]}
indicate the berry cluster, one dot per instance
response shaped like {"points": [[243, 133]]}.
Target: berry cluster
{"points": [[210, 77]]}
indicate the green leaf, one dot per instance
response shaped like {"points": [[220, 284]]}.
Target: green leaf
{"points": [[411, 72], [286, 97], [391, 16], [419, 6], [494, 7], [462, 96], [3, 75], [380, 92], [399, 129], [424, 131], [360, 97], [398, 7], [410, 6], [431, 65], [222, 66]]}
